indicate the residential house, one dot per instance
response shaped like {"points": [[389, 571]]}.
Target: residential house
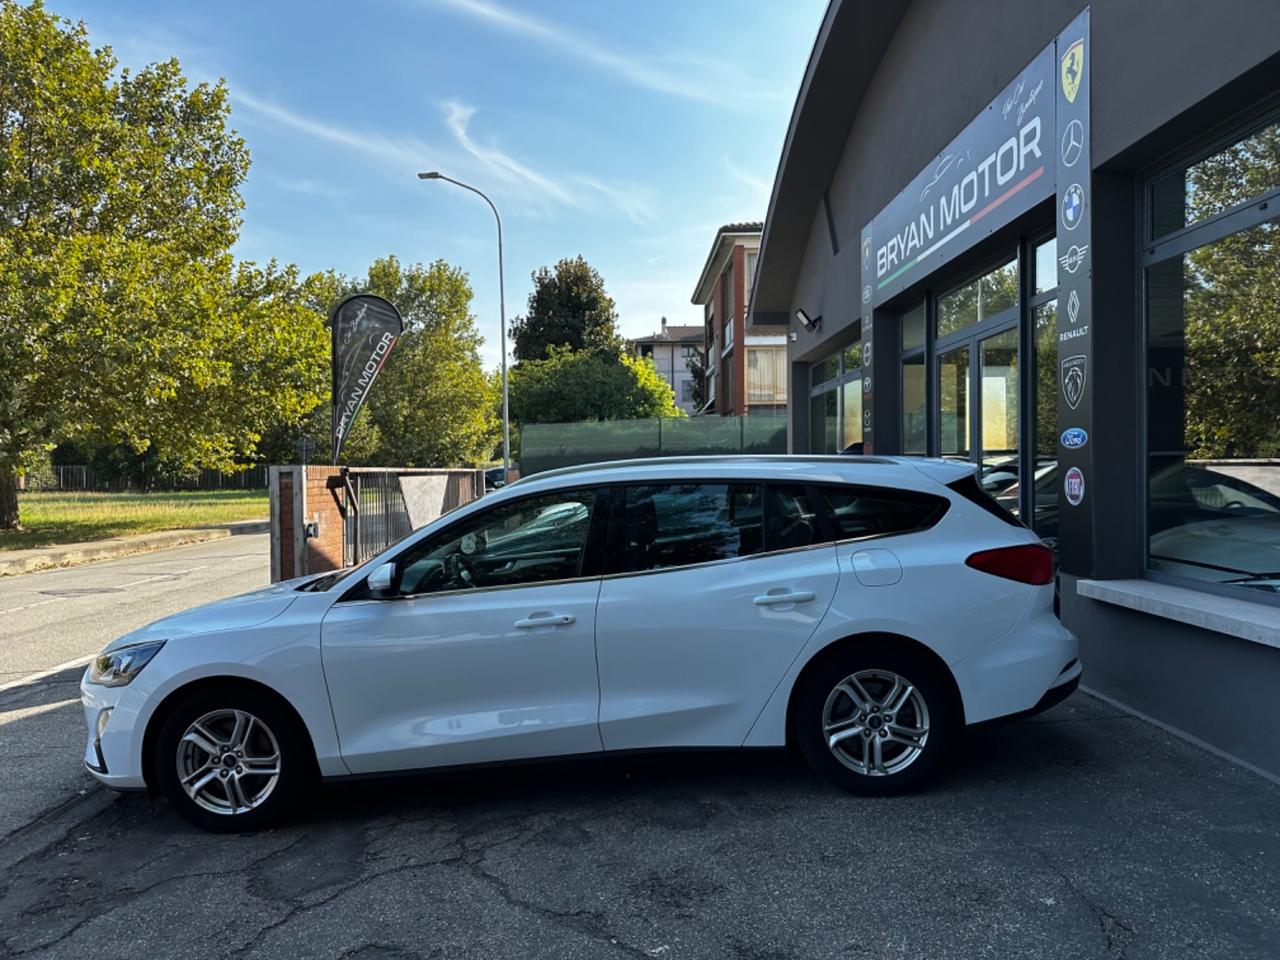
{"points": [[671, 349], [746, 361]]}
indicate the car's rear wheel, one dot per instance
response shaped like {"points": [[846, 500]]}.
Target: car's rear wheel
{"points": [[875, 719], [232, 758]]}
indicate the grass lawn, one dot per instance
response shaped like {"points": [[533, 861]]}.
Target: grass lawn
{"points": [[50, 517]]}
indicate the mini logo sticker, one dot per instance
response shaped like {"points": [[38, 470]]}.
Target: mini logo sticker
{"points": [[1074, 256], [1073, 206], [866, 354], [866, 293], [1073, 438], [1072, 143], [866, 253], [1073, 486], [1072, 70], [866, 384], [866, 418], [1074, 372], [1073, 307]]}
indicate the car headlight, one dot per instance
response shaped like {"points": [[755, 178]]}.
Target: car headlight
{"points": [[115, 668]]}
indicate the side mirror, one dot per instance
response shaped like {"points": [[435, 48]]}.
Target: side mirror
{"points": [[380, 581]]}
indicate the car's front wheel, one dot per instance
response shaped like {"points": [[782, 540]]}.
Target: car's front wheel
{"points": [[875, 719], [232, 758]]}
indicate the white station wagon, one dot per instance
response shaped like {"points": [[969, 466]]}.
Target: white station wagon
{"points": [[863, 609]]}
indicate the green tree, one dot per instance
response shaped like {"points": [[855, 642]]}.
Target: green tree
{"points": [[123, 318], [697, 364], [568, 307], [575, 385], [433, 403]]}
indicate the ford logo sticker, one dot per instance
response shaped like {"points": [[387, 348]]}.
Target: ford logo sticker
{"points": [[1074, 437]]}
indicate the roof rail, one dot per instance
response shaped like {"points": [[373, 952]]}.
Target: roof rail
{"points": [[845, 459]]}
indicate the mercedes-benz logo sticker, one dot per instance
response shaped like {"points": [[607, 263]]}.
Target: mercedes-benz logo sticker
{"points": [[1072, 143]]}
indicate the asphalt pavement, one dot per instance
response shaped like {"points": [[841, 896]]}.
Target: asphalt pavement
{"points": [[54, 621], [1083, 833]]}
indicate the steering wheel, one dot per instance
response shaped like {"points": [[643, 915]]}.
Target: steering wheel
{"points": [[460, 570]]}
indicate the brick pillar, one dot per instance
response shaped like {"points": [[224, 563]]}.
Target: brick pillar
{"points": [[324, 517]]}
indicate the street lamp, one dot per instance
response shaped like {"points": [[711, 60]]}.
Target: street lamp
{"points": [[502, 314]]}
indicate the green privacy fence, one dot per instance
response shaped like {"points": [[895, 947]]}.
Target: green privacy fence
{"points": [[545, 446]]}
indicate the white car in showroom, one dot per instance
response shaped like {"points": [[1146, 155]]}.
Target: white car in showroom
{"points": [[864, 609]]}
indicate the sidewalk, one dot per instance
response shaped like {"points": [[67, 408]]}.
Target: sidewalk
{"points": [[13, 562]]}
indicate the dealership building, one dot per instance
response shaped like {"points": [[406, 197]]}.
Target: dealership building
{"points": [[1045, 237]]}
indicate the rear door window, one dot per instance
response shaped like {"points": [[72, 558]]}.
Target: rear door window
{"points": [[679, 524], [857, 512]]}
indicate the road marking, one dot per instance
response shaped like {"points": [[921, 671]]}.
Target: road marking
{"points": [[28, 606], [22, 713], [171, 575], [45, 674]]}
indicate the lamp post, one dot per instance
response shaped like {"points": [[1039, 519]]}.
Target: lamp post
{"points": [[502, 315]]}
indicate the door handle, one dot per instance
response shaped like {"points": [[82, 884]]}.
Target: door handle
{"points": [[791, 596], [545, 620]]}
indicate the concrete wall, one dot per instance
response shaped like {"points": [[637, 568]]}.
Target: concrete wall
{"points": [[1219, 689]]}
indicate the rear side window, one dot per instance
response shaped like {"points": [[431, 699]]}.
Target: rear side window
{"points": [[971, 490], [874, 512], [790, 517], [675, 525]]}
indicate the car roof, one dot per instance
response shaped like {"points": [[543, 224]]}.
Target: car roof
{"points": [[910, 472]]}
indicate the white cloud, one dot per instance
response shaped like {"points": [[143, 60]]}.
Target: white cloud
{"points": [[457, 117], [758, 187], [407, 154], [692, 78], [636, 202]]}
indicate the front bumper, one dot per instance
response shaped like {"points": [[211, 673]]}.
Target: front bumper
{"points": [[113, 751]]}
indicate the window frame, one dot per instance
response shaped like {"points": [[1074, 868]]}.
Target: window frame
{"points": [[1257, 210], [593, 559], [845, 374]]}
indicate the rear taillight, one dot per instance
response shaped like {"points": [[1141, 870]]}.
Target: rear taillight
{"points": [[1028, 563]]}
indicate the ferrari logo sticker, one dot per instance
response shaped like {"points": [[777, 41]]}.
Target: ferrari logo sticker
{"points": [[1072, 70]]}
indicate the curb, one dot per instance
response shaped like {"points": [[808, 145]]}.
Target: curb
{"points": [[74, 554]]}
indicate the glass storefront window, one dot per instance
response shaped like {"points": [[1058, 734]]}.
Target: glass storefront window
{"points": [[852, 359], [1213, 389], [826, 369], [1226, 179], [953, 402], [915, 418], [823, 422], [1046, 266], [913, 328], [1045, 450], [851, 416], [979, 299], [998, 374]]}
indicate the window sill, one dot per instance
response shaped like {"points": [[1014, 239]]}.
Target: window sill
{"points": [[1255, 622]]}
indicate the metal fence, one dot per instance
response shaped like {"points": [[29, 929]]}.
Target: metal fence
{"points": [[545, 446], [383, 505], [81, 477], [376, 515]]}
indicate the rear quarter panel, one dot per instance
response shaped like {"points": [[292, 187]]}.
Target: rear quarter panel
{"points": [[940, 602]]}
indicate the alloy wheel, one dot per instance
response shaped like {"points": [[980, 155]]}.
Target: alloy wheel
{"points": [[875, 722], [228, 762]]}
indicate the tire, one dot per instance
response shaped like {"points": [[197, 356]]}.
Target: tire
{"points": [[230, 793], [827, 704]]}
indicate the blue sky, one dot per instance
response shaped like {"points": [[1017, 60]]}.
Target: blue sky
{"points": [[623, 130]]}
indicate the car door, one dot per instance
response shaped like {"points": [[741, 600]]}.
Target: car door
{"points": [[483, 649], [712, 591]]}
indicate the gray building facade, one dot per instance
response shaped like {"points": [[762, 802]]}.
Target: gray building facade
{"points": [[1042, 236]]}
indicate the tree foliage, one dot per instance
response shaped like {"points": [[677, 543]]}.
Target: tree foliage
{"points": [[568, 307], [576, 385], [123, 317]]}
